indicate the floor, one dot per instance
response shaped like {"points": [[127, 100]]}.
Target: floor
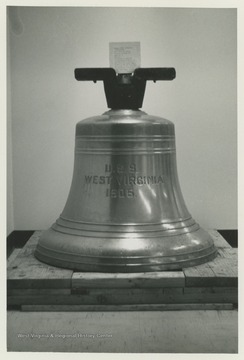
{"points": [[124, 332]]}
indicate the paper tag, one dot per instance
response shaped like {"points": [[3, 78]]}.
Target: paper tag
{"points": [[124, 57]]}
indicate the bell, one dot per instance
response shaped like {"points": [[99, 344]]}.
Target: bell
{"points": [[125, 211]]}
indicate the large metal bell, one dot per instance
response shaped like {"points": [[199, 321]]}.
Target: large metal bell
{"points": [[125, 211]]}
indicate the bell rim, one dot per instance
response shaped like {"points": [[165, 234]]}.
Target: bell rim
{"points": [[94, 260], [129, 267]]}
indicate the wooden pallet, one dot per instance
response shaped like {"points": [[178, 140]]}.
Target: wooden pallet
{"points": [[35, 286]]}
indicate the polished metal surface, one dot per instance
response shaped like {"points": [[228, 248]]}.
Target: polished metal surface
{"points": [[125, 211]]}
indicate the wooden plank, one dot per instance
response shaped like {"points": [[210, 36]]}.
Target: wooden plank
{"points": [[201, 275], [231, 253], [25, 271], [133, 280], [33, 240], [218, 239], [123, 296], [131, 307], [211, 290], [173, 290], [13, 256], [221, 271], [27, 292], [225, 267]]}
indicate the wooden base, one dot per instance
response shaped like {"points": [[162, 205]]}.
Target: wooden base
{"points": [[35, 286]]}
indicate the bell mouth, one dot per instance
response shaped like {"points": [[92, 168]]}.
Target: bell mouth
{"points": [[126, 254]]}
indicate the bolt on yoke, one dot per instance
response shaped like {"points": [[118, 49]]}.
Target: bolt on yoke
{"points": [[124, 91]]}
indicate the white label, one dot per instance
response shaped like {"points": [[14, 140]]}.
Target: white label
{"points": [[124, 57]]}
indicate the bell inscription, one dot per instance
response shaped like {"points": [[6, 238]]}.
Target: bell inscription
{"points": [[122, 179]]}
